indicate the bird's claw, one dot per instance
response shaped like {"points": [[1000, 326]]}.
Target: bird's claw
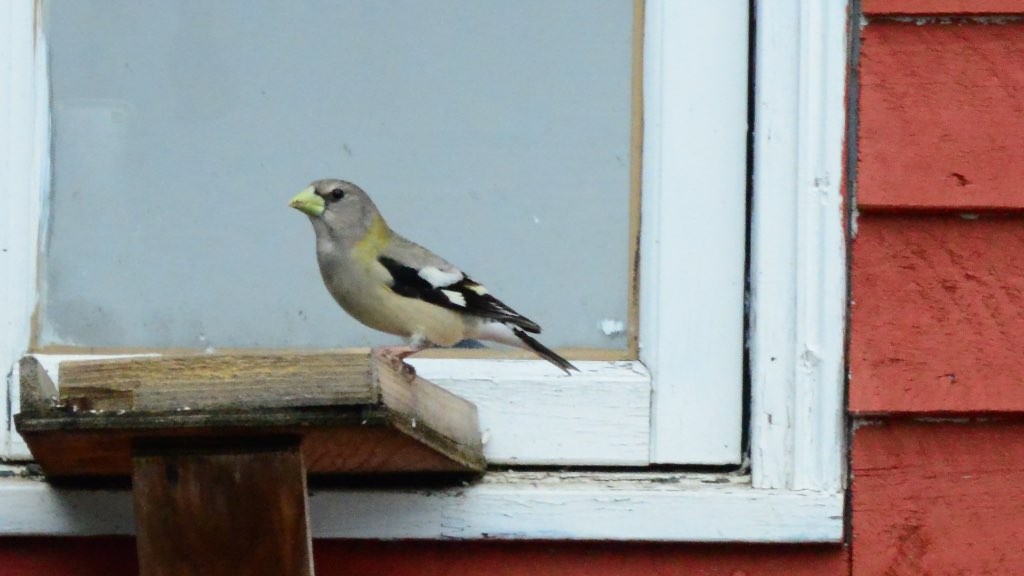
{"points": [[407, 371], [397, 361]]}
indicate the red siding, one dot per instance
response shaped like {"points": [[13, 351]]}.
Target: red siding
{"points": [[941, 117], [938, 315], [116, 557], [60, 556], [896, 7], [937, 305], [938, 498], [937, 326]]}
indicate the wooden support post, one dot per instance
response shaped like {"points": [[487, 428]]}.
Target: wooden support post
{"points": [[218, 446], [222, 510]]}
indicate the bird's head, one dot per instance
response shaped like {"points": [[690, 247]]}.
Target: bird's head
{"points": [[327, 195], [335, 204]]}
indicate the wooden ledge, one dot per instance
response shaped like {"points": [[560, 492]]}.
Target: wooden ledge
{"points": [[352, 414]]}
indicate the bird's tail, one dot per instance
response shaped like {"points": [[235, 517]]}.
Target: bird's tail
{"points": [[543, 351]]}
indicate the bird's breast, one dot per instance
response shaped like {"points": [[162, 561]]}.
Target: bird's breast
{"points": [[362, 288]]}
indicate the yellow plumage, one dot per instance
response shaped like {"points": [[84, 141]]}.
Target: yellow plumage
{"points": [[396, 286]]}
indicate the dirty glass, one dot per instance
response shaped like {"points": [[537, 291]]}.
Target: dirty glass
{"points": [[497, 133]]}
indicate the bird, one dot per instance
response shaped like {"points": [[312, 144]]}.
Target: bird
{"points": [[396, 286]]}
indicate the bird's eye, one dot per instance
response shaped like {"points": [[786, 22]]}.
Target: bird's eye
{"points": [[337, 193]]}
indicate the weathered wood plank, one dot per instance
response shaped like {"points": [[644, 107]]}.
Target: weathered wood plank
{"points": [[365, 445], [938, 497], [530, 412], [38, 392], [357, 414], [235, 381], [937, 322], [423, 409], [554, 506], [232, 510], [941, 118]]}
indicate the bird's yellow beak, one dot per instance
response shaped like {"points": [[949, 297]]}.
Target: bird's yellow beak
{"points": [[308, 202]]}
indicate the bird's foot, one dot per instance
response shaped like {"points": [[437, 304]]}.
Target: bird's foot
{"points": [[408, 372], [396, 356]]}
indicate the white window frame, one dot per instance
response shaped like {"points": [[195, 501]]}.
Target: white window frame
{"points": [[689, 411], [794, 490]]}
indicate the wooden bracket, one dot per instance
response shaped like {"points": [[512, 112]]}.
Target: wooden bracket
{"points": [[235, 508], [218, 446]]}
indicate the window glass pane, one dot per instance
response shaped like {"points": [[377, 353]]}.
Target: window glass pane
{"points": [[497, 133]]}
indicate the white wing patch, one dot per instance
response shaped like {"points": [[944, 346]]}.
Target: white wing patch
{"points": [[439, 278], [454, 297], [478, 289]]}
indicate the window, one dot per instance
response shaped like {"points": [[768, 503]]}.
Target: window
{"points": [[793, 489], [473, 126]]}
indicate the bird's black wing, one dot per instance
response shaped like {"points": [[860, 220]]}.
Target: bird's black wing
{"points": [[456, 292]]}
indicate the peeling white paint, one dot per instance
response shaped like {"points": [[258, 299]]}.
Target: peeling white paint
{"points": [[953, 20], [798, 280], [503, 505]]}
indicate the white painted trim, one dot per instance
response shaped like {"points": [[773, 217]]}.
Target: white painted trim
{"points": [[24, 176], [794, 493], [693, 221], [798, 258], [507, 506], [531, 413]]}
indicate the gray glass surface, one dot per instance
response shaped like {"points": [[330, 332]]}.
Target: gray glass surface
{"points": [[494, 132]]}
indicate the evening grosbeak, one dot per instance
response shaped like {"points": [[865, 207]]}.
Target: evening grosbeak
{"points": [[396, 286]]}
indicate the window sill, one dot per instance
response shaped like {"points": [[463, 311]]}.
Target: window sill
{"points": [[574, 505], [530, 413], [503, 505], [796, 424]]}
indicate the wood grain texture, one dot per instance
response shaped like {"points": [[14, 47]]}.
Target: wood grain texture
{"points": [[416, 403], [37, 391], [235, 381], [937, 319], [532, 413], [938, 498], [226, 512], [941, 117], [355, 448], [362, 418], [941, 7]]}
